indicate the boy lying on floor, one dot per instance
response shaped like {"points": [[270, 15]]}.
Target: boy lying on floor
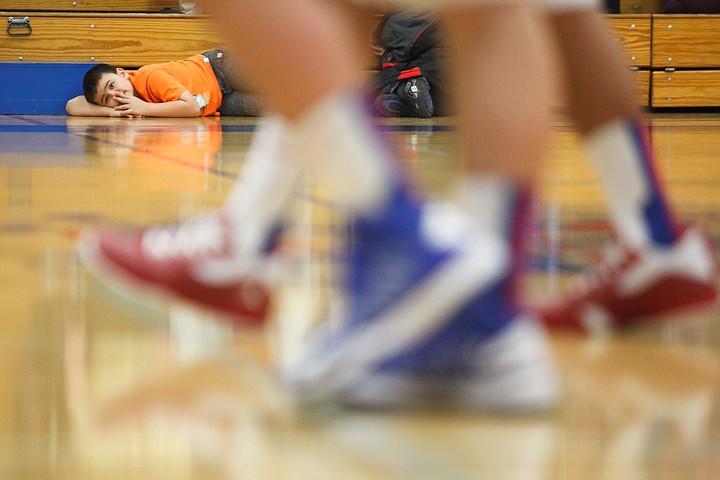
{"points": [[204, 84]]}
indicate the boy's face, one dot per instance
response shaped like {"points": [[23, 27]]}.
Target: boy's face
{"points": [[111, 84]]}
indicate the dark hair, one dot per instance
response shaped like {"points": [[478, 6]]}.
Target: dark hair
{"points": [[92, 79]]}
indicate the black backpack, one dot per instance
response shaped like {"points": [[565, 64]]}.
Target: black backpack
{"points": [[412, 47]]}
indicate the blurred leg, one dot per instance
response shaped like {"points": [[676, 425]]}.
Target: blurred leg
{"points": [[499, 62], [664, 267], [294, 52]]}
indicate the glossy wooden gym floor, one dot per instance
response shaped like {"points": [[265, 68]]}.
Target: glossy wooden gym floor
{"points": [[94, 385]]}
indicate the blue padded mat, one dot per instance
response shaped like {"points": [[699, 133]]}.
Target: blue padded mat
{"points": [[34, 88]]}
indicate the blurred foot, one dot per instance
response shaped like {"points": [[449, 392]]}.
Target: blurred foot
{"points": [[636, 285], [429, 322], [194, 261]]}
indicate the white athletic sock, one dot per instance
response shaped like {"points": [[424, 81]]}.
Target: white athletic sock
{"points": [[336, 140], [489, 199], [499, 208], [258, 200], [635, 201]]}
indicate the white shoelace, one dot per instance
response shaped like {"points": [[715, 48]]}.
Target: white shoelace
{"points": [[202, 235], [613, 258]]}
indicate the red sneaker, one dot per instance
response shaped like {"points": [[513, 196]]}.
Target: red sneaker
{"points": [[638, 285], [192, 261]]}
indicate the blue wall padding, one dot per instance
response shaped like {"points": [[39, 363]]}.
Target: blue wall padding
{"points": [[29, 88]]}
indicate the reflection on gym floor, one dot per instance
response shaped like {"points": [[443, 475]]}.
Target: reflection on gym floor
{"points": [[97, 385]]}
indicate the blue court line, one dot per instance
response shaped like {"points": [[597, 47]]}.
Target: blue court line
{"points": [[416, 128], [34, 125], [44, 127], [26, 119], [33, 128]]}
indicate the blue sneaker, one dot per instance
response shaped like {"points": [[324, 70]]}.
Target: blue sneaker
{"points": [[429, 321]]}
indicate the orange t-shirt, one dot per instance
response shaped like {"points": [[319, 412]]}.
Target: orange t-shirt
{"points": [[165, 82]]}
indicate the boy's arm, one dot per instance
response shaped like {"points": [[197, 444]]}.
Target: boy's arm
{"points": [[185, 106], [80, 107]]}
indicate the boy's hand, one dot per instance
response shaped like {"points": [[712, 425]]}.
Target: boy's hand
{"points": [[130, 105], [118, 113]]}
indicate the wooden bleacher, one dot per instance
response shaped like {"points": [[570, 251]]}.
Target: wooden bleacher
{"points": [[675, 58], [686, 61], [634, 7], [86, 6], [634, 32], [127, 33], [122, 39]]}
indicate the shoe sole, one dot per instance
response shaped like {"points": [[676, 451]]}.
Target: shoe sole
{"points": [[511, 372]]}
